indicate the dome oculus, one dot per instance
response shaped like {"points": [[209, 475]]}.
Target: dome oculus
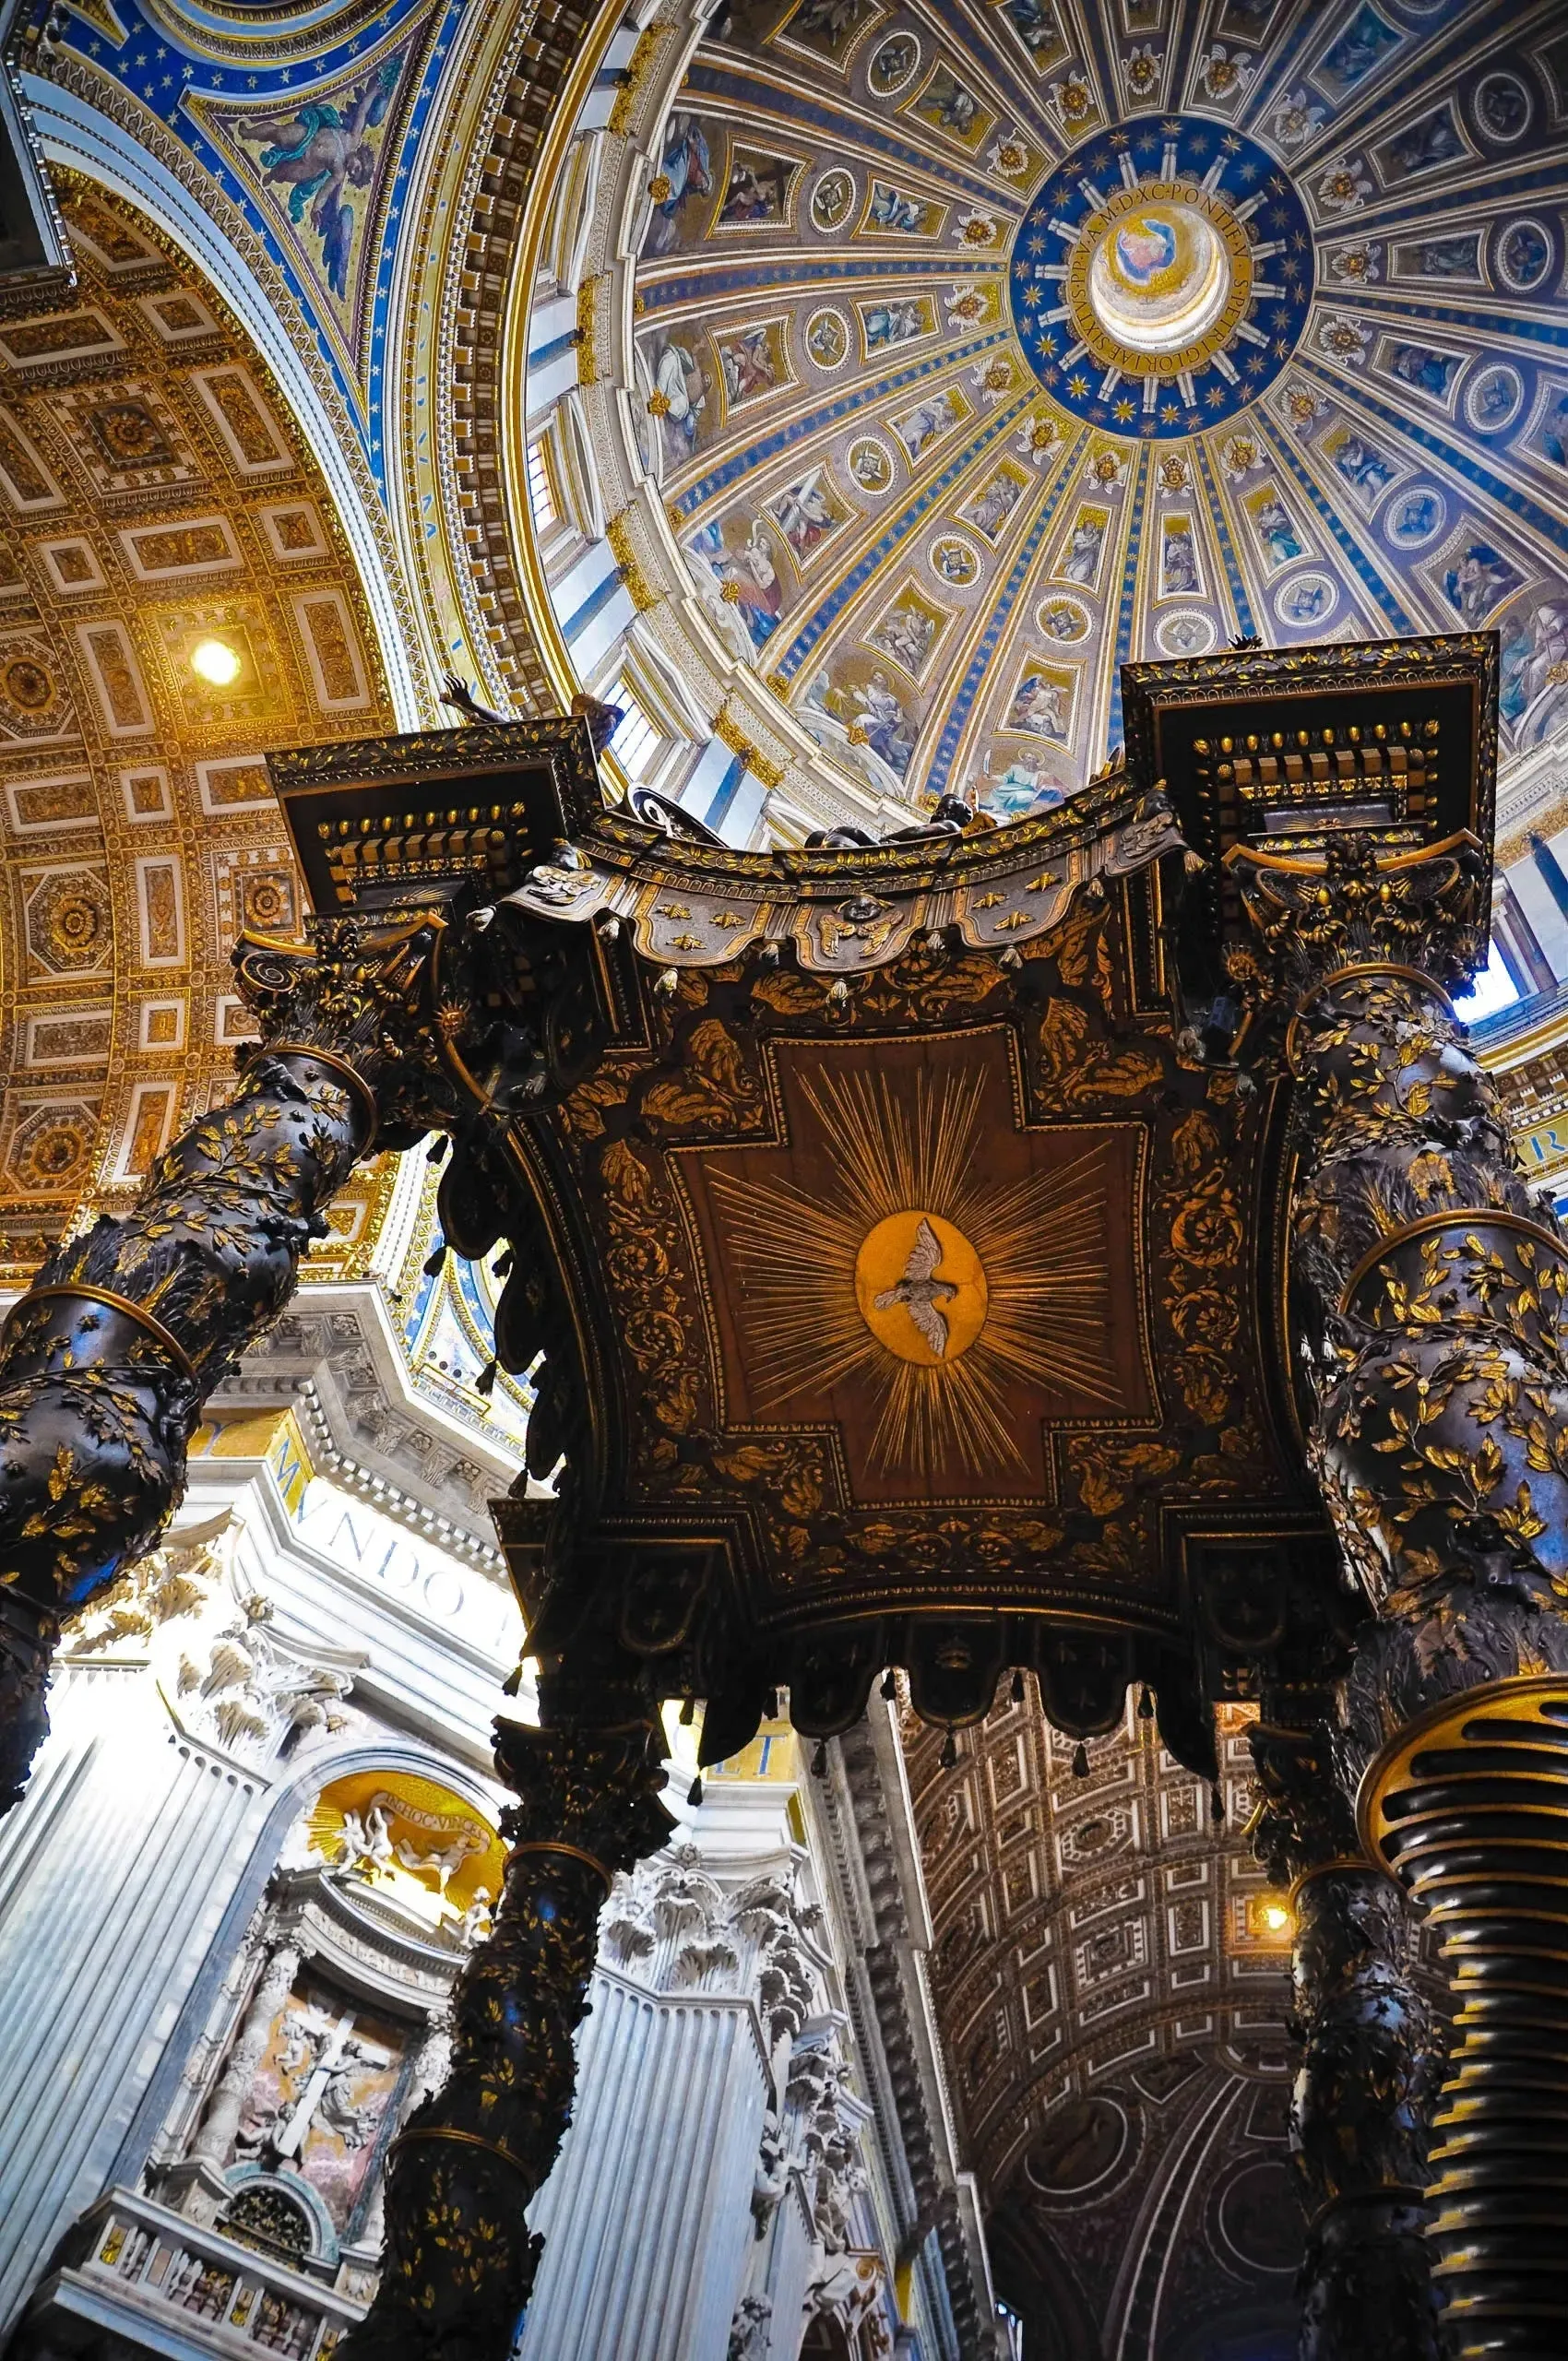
{"points": [[1160, 278]]}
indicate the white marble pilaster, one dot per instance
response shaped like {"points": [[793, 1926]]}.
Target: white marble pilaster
{"points": [[792, 2258], [113, 1873], [648, 2216]]}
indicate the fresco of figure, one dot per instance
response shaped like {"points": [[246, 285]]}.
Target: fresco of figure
{"points": [[1474, 585], [1081, 563], [319, 154], [686, 166], [1277, 531]]}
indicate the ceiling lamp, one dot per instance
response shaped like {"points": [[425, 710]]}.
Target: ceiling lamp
{"points": [[215, 661]]}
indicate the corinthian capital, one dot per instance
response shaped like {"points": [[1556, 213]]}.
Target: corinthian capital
{"points": [[363, 992], [1351, 904]]}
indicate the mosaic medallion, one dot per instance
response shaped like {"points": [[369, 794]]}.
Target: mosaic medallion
{"points": [[1160, 279]]}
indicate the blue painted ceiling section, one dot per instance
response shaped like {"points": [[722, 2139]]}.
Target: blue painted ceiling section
{"points": [[311, 127]]}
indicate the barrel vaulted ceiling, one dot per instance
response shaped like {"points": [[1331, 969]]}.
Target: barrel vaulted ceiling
{"points": [[153, 494], [1111, 1974]]}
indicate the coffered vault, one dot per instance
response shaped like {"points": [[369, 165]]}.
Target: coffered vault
{"points": [[1111, 1970], [157, 494]]}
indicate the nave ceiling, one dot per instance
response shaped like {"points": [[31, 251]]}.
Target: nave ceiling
{"points": [[1111, 1973], [154, 494]]}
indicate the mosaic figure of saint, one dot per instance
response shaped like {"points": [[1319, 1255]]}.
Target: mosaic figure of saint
{"points": [[1418, 364], [1364, 40], [803, 514], [687, 166], [1449, 258], [1039, 706], [1482, 576], [1277, 531], [1082, 561], [893, 323], [891, 211], [748, 578], [1035, 24], [1363, 468], [748, 364], [949, 106], [1180, 561], [925, 423], [1554, 431], [1426, 145], [757, 191], [1534, 675], [906, 634], [1019, 790], [885, 722], [682, 397]]}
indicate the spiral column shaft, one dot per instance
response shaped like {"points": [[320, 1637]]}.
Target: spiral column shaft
{"points": [[1430, 1289]]}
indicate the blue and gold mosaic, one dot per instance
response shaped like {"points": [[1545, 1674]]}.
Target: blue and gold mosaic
{"points": [[1160, 279]]}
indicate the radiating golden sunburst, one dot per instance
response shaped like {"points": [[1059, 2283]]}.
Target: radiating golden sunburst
{"points": [[1023, 1281]]}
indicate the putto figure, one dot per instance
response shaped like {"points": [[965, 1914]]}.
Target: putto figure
{"points": [[319, 154]]}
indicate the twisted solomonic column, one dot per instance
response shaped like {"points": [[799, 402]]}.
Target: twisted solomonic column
{"points": [[1430, 1290], [106, 1360], [1371, 2056], [460, 2260]]}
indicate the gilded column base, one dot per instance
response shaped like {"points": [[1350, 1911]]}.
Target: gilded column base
{"points": [[1468, 1809]]}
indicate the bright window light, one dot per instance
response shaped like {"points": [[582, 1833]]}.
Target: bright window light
{"points": [[1494, 989], [635, 736], [541, 499]]}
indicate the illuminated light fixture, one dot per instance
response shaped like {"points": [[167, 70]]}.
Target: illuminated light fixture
{"points": [[1275, 1918], [215, 661]]}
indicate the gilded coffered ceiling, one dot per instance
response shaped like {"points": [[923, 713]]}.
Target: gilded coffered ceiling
{"points": [[154, 497]]}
